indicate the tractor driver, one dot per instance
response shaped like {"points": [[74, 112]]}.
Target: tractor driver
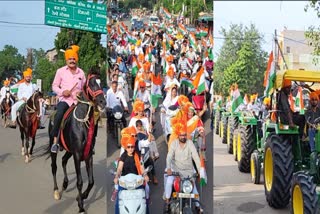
{"points": [[287, 116]]}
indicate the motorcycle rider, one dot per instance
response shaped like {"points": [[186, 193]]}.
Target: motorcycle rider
{"points": [[183, 63], [171, 79], [138, 109], [191, 55], [4, 90], [179, 159], [115, 97], [129, 163]]}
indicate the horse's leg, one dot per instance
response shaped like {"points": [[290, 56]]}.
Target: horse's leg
{"points": [[89, 166], [65, 159], [32, 145], [26, 160], [56, 193], [77, 164], [22, 141]]}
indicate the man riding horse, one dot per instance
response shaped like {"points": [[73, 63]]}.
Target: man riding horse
{"points": [[25, 91], [67, 82], [4, 89]]}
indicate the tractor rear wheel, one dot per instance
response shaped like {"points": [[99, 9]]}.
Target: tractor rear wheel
{"points": [[255, 167], [236, 138], [232, 126], [303, 194], [278, 169], [245, 147], [217, 121], [224, 130]]}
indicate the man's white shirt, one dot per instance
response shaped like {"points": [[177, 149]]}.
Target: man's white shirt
{"points": [[114, 99]]}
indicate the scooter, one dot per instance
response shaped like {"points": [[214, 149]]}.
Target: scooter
{"points": [[182, 199], [132, 195]]}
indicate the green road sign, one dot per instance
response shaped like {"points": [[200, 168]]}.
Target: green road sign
{"points": [[80, 15]]}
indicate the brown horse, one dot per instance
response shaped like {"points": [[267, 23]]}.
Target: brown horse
{"points": [[6, 104], [77, 136], [28, 120]]}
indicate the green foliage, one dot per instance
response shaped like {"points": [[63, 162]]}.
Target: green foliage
{"points": [[11, 62], [313, 32], [241, 60], [45, 71]]}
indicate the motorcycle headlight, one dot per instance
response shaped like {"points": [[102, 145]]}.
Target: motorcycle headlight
{"points": [[187, 186], [118, 115]]}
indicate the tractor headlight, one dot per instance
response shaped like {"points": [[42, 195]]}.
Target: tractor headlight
{"points": [[118, 115], [187, 186]]}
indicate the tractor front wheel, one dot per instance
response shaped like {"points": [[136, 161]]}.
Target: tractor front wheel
{"points": [[278, 170], [255, 167], [303, 194], [224, 130]]}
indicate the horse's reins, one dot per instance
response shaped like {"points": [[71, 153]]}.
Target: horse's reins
{"points": [[93, 94]]}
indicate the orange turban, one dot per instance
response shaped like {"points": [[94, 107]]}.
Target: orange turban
{"points": [[128, 131], [314, 95], [6, 82], [126, 140], [170, 72], [266, 101], [170, 58], [72, 53], [142, 84], [141, 57], [27, 72], [182, 100], [180, 128], [146, 66], [187, 107], [286, 83], [138, 105]]}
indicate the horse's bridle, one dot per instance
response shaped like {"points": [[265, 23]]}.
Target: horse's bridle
{"points": [[88, 90], [32, 109]]}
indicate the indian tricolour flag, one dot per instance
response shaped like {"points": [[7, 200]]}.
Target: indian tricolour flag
{"points": [[167, 13], [15, 87], [131, 38], [186, 81], [123, 27], [156, 90], [203, 173], [192, 40], [182, 29], [201, 33], [199, 81], [236, 99], [269, 76], [135, 66]]}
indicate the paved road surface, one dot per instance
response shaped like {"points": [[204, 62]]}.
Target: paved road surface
{"points": [[28, 188], [233, 191]]}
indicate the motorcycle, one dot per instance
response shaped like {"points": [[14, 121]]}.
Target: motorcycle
{"points": [[182, 199], [116, 124]]}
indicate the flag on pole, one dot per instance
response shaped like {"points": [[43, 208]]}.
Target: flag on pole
{"points": [[269, 76], [155, 90], [236, 99], [192, 40], [15, 87], [186, 81], [167, 13], [203, 173], [131, 38], [182, 29], [135, 66], [199, 81]]}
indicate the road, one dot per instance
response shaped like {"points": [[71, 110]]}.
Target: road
{"points": [[157, 191], [233, 191], [28, 188]]}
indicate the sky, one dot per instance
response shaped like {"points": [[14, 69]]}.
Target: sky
{"points": [[266, 15], [24, 36]]}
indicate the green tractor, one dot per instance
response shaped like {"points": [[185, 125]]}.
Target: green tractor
{"points": [[233, 122], [291, 171], [217, 118]]}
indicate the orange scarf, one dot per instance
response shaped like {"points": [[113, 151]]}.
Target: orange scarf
{"points": [[137, 163]]}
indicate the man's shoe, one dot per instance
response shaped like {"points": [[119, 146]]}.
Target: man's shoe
{"points": [[55, 148], [41, 127], [12, 126]]}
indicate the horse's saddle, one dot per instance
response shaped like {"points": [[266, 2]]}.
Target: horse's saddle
{"points": [[21, 107]]}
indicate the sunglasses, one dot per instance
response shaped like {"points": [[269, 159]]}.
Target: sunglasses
{"points": [[142, 87], [133, 135], [130, 147]]}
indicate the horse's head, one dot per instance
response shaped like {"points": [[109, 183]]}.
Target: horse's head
{"points": [[8, 94], [34, 103], [94, 92]]}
